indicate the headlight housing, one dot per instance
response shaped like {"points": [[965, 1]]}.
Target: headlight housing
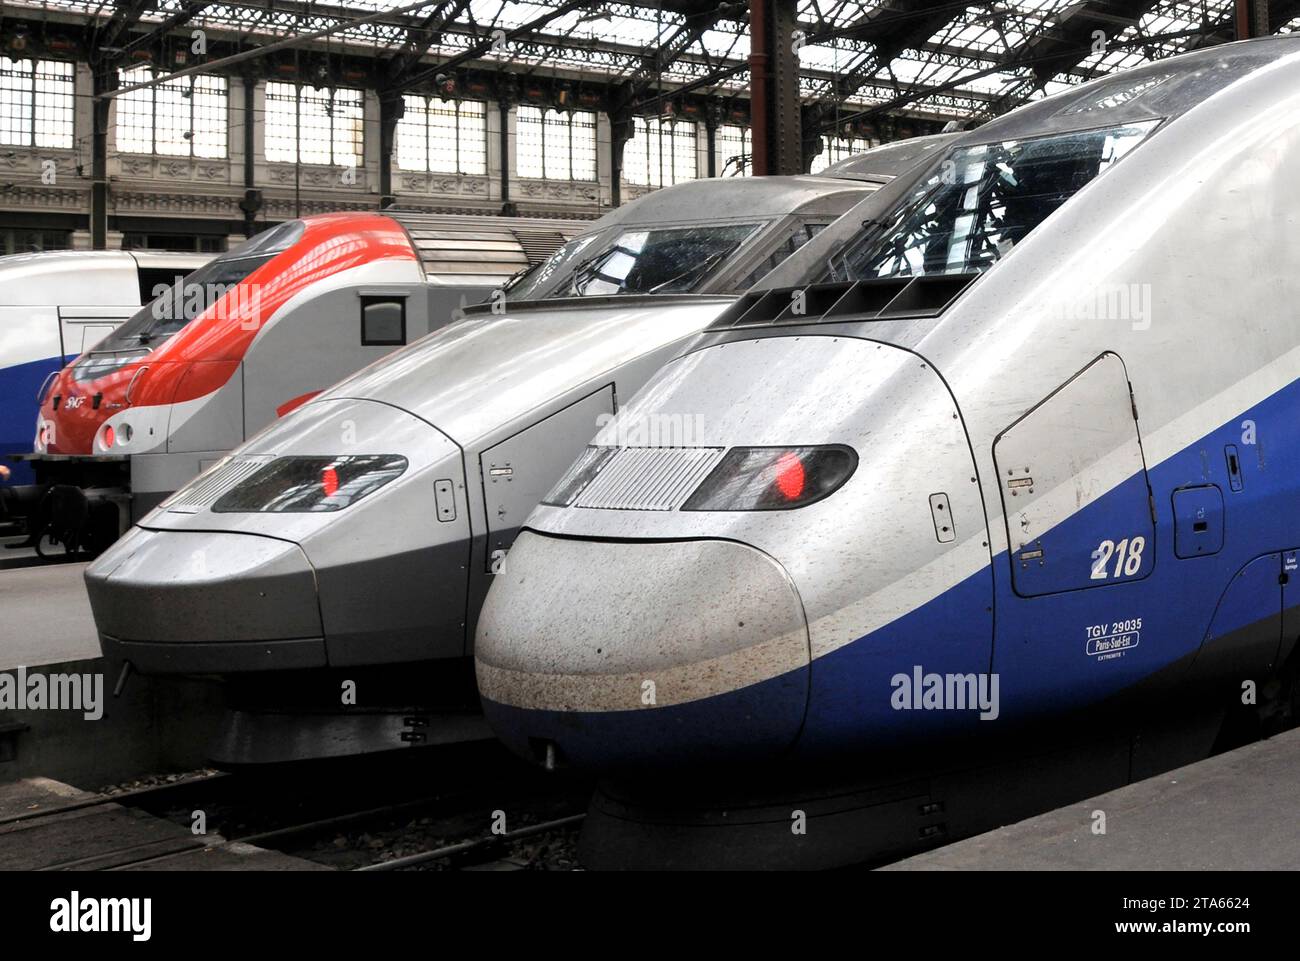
{"points": [[300, 485], [577, 477], [773, 478]]}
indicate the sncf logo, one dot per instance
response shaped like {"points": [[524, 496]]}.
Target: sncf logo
{"points": [[74, 402]]}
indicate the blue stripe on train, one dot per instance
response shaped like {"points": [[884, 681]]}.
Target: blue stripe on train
{"points": [[1041, 653], [18, 409]]}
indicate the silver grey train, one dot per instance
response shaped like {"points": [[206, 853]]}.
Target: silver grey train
{"points": [[882, 164], [359, 536], [1019, 447]]}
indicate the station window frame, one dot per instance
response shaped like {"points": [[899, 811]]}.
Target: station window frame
{"points": [[835, 149], [732, 141], [661, 152], [187, 117], [425, 118], [37, 103], [340, 120], [568, 154]]}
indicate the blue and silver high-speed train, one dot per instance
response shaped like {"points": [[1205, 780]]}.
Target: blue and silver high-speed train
{"points": [[55, 306], [355, 539], [1015, 441]]}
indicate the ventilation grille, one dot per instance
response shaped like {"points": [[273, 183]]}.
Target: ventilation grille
{"points": [[891, 299], [204, 490], [649, 478], [470, 251], [540, 244], [485, 248]]}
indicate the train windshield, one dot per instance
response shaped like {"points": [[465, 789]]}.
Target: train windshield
{"points": [[175, 306], [982, 201], [535, 281], [648, 260]]}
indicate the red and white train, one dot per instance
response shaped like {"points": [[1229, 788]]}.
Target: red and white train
{"points": [[246, 339]]}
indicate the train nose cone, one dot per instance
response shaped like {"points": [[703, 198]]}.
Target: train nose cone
{"points": [[660, 651], [245, 602]]}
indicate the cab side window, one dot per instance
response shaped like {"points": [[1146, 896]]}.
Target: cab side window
{"points": [[800, 236], [383, 321]]}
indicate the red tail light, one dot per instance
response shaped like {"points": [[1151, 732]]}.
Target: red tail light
{"points": [[773, 478], [790, 476], [109, 436], [301, 485]]}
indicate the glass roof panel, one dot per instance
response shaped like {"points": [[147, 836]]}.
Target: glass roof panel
{"points": [[973, 56]]}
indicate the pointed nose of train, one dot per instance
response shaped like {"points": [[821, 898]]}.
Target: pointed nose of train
{"points": [[578, 639], [245, 602], [303, 549], [749, 591]]}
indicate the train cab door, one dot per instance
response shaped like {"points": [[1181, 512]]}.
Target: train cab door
{"points": [[81, 328], [518, 471], [1074, 487], [322, 340]]}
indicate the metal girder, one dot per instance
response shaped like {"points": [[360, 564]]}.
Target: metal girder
{"points": [[420, 38], [159, 30], [1066, 41], [290, 16], [785, 121], [909, 29], [255, 52], [902, 25], [707, 80], [878, 38], [667, 53], [126, 14], [483, 46], [919, 91]]}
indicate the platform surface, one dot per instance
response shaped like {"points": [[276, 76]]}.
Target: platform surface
{"points": [[1236, 811], [45, 616]]}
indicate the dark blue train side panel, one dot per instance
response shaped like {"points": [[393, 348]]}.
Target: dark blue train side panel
{"points": [[18, 410]]}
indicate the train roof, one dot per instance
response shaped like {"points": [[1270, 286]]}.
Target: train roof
{"points": [[740, 198], [84, 278], [496, 248], [1154, 93], [1160, 90], [882, 164], [62, 258], [727, 198]]}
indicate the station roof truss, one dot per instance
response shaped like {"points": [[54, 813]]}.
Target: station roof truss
{"points": [[934, 59]]}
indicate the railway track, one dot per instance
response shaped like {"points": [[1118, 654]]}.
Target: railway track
{"points": [[482, 851], [481, 809]]}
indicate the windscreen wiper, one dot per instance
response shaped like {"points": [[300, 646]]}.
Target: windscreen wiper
{"points": [[701, 268], [518, 275], [586, 265]]}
